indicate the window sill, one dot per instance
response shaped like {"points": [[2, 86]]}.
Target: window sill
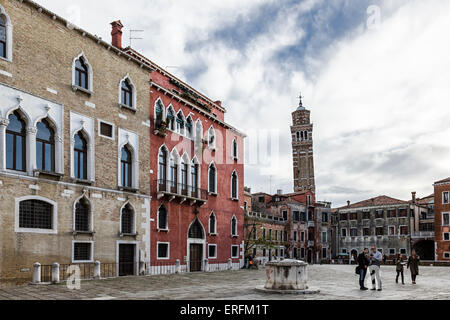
{"points": [[83, 233], [82, 181], [76, 88], [128, 234], [124, 106], [213, 234], [82, 261], [164, 230], [6, 59], [127, 189], [234, 199], [213, 194], [38, 173], [235, 236]]}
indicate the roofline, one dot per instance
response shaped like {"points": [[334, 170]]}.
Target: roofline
{"points": [[165, 72], [84, 33], [199, 110]]}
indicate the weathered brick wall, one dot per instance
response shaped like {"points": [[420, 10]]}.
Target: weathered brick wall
{"points": [[43, 52], [441, 245]]}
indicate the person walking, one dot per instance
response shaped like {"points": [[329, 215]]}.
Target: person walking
{"points": [[374, 268], [399, 268], [413, 266], [363, 264]]}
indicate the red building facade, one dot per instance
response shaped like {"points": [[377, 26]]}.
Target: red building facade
{"points": [[196, 177], [442, 219]]}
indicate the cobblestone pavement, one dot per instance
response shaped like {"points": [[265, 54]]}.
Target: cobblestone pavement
{"points": [[336, 282]]}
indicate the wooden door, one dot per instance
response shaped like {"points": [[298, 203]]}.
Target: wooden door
{"points": [[127, 264], [196, 257]]}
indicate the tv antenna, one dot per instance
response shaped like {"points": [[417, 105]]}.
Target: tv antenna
{"points": [[134, 38]]}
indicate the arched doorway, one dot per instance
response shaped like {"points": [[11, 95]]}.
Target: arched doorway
{"points": [[425, 249], [195, 245]]}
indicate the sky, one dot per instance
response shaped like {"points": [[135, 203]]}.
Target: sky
{"points": [[374, 73]]}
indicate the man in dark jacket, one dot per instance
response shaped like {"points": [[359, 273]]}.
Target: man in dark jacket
{"points": [[363, 263]]}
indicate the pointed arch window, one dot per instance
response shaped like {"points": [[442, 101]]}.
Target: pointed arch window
{"points": [[234, 227], [170, 119], [3, 37], [184, 177], [81, 73], [127, 220], [180, 123], [80, 157], [235, 149], [126, 90], [126, 167], [45, 147], [234, 185], [212, 224], [212, 138], [196, 230], [189, 128], [16, 143], [82, 216], [212, 179], [159, 114], [163, 218], [162, 166], [173, 175]]}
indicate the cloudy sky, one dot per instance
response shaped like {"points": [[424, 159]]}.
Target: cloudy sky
{"points": [[374, 73]]}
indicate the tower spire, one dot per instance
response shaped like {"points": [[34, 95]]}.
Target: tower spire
{"points": [[300, 105]]}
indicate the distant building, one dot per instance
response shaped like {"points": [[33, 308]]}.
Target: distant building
{"points": [[422, 226], [442, 219], [302, 149]]}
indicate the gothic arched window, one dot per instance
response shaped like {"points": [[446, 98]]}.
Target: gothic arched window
{"points": [[45, 147], [16, 143]]}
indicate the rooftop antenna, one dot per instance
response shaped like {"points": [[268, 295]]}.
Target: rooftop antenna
{"points": [[134, 38]]}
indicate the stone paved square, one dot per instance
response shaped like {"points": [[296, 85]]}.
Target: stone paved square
{"points": [[336, 282]]}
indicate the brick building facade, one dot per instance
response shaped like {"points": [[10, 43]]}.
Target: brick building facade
{"points": [[442, 219], [74, 147]]}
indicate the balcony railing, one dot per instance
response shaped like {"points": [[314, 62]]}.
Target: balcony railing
{"points": [[422, 234], [181, 190]]}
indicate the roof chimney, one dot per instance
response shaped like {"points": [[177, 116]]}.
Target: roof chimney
{"points": [[348, 203], [116, 34], [280, 192], [413, 197]]}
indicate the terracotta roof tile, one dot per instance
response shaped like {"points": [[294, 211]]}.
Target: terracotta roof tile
{"points": [[374, 202], [443, 181]]}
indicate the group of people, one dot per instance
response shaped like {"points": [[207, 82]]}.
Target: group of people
{"points": [[372, 262]]}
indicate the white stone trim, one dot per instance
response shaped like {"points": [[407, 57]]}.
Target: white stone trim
{"points": [[73, 251], [17, 227], [9, 36], [134, 217], [91, 212], [157, 250], [84, 124], [443, 197], [215, 256], [131, 139], [443, 224], [90, 72], [99, 122], [133, 92]]}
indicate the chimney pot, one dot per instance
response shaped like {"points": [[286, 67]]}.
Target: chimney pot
{"points": [[414, 196], [116, 34], [279, 192], [348, 203]]}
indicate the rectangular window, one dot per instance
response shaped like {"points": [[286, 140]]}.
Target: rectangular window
{"points": [[324, 253], [303, 216], [366, 232], [445, 197], [403, 251], [446, 236], [302, 253], [295, 235], [324, 217], [446, 255], [285, 215], [446, 219], [261, 200], [403, 230], [379, 231], [270, 234], [379, 214], [354, 216], [212, 251], [392, 230], [235, 252], [106, 130], [402, 213], [296, 216], [324, 237], [380, 251], [276, 235], [353, 232], [264, 252], [302, 236], [295, 253], [366, 215], [392, 252], [163, 250], [343, 232], [82, 251], [344, 251], [343, 217], [392, 214]]}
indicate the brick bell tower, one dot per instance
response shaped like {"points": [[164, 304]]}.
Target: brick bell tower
{"points": [[302, 149]]}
